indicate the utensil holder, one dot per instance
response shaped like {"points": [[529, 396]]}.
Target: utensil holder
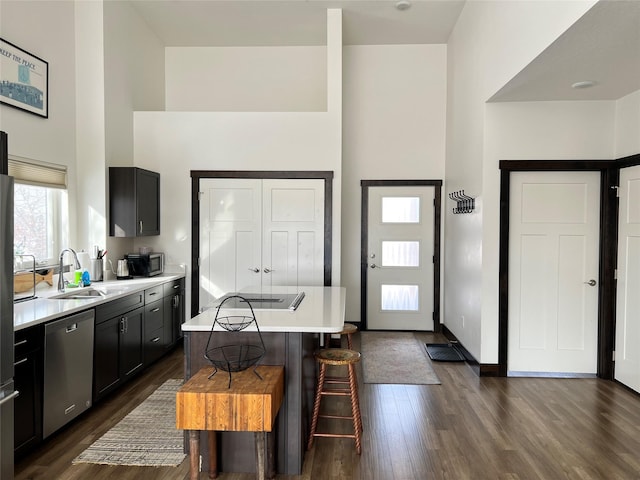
{"points": [[95, 272]]}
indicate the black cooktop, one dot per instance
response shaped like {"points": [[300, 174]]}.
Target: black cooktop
{"points": [[263, 301]]}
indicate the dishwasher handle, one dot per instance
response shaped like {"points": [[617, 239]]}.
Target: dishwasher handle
{"points": [[71, 328]]}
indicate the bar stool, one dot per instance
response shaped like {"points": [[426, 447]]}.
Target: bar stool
{"points": [[349, 329], [326, 386]]}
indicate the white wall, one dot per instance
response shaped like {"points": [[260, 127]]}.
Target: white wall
{"points": [[45, 29], [90, 200], [246, 79], [174, 143], [394, 128], [533, 131], [133, 81], [491, 42], [627, 125]]}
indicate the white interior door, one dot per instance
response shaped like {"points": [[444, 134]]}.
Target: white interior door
{"points": [[553, 268], [627, 360], [256, 233], [230, 236], [400, 254], [293, 232]]}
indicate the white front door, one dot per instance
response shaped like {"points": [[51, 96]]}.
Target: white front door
{"points": [[400, 258], [553, 272], [627, 366], [256, 232]]}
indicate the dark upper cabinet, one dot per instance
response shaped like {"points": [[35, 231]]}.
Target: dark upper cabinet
{"points": [[134, 202]]}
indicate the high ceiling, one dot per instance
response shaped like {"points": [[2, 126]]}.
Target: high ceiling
{"points": [[603, 46], [297, 22]]}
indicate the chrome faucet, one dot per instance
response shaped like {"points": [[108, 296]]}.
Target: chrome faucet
{"points": [[61, 280]]}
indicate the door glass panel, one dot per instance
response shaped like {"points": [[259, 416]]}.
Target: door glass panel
{"points": [[400, 254], [399, 297], [400, 209]]}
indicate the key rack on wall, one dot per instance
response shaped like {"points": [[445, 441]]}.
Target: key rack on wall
{"points": [[464, 203]]}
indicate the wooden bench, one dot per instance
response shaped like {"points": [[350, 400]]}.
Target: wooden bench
{"points": [[250, 405]]}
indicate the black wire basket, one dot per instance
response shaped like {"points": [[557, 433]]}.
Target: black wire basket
{"points": [[239, 356]]}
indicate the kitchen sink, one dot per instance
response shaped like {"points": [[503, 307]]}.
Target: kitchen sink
{"points": [[80, 294]]}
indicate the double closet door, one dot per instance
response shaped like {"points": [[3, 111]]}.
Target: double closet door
{"points": [[259, 233]]}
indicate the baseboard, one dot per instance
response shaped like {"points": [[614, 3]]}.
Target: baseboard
{"points": [[482, 370]]}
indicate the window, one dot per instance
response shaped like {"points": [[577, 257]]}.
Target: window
{"points": [[40, 210]]}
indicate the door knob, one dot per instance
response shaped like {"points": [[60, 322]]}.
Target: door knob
{"points": [[255, 269], [373, 265], [266, 270], [591, 283]]}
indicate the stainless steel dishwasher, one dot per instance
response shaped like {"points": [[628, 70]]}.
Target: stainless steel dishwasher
{"points": [[68, 369]]}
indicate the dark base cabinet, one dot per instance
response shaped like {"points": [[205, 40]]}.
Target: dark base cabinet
{"points": [[164, 316], [118, 352], [129, 334], [28, 377], [174, 310]]}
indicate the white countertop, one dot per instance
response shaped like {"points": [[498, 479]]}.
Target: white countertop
{"points": [[42, 309], [321, 311]]}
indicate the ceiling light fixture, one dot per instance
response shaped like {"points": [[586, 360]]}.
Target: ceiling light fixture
{"points": [[583, 84], [403, 5]]}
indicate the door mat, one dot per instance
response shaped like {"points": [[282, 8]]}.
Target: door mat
{"points": [[444, 352], [146, 437], [394, 357]]}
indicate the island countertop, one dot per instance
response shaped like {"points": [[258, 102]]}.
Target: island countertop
{"points": [[322, 311]]}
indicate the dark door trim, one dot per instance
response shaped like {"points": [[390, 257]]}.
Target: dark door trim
{"points": [[364, 239], [197, 175], [609, 176]]}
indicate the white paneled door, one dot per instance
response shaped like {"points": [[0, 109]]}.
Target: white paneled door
{"points": [[400, 258], [553, 272], [627, 360], [260, 232]]}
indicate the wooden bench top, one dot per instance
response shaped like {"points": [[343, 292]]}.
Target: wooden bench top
{"points": [[249, 405]]}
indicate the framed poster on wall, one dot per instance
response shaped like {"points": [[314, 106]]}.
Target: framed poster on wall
{"points": [[24, 80]]}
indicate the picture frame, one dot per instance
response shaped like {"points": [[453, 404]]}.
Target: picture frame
{"points": [[24, 80]]}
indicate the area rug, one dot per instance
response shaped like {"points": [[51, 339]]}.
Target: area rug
{"points": [[146, 437], [395, 357]]}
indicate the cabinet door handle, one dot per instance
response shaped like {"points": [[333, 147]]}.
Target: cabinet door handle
{"points": [[157, 309], [155, 340], [13, 395], [176, 286], [21, 342], [140, 226], [254, 269], [176, 301], [152, 294], [15, 364], [123, 325], [267, 270]]}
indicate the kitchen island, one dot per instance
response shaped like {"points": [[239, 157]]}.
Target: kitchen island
{"points": [[290, 338]]}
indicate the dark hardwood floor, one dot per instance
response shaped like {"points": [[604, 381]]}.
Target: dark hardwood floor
{"points": [[466, 428]]}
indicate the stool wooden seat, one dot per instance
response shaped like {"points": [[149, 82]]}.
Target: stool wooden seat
{"points": [[348, 329], [251, 404], [326, 386]]}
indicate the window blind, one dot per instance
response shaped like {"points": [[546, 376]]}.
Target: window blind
{"points": [[41, 174]]}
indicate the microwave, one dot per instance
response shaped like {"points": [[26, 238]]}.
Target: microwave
{"points": [[145, 264]]}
